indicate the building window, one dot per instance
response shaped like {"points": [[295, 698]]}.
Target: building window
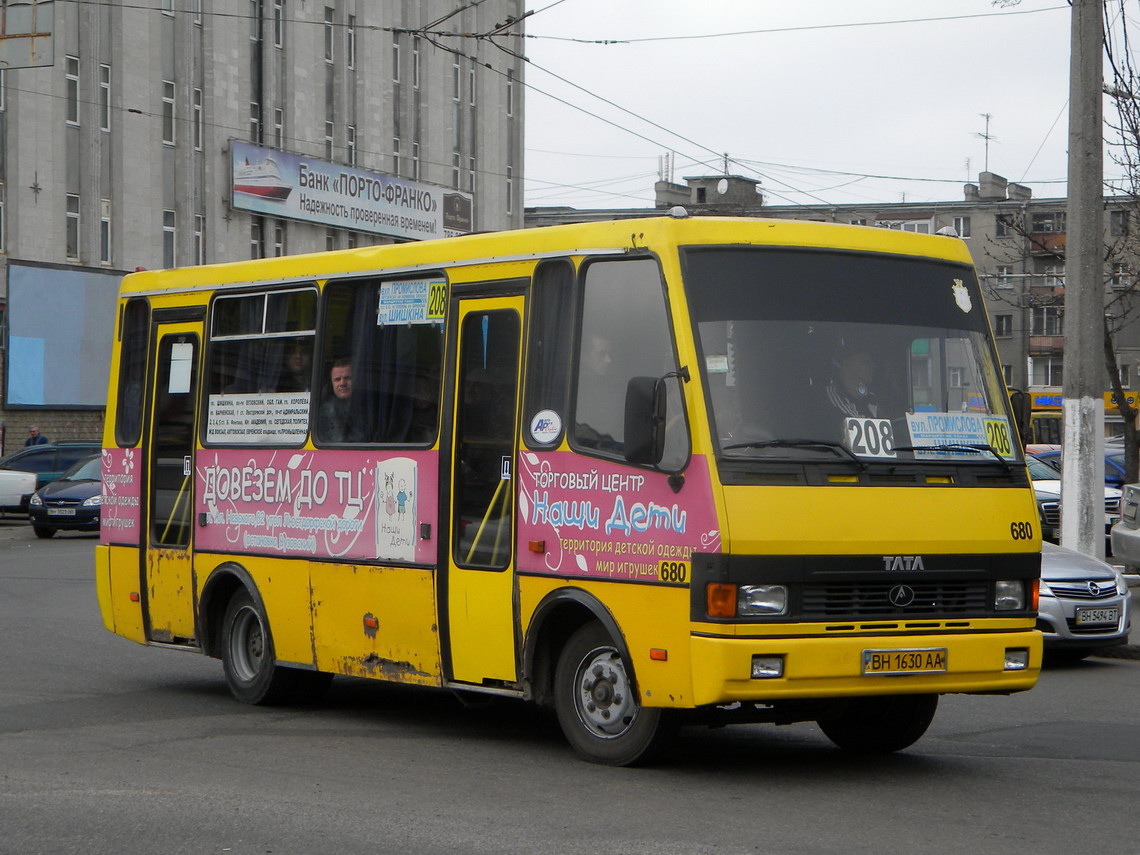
{"points": [[456, 169], [199, 239], [470, 175], [1121, 277], [278, 238], [278, 23], [352, 240], [71, 66], [3, 242], [1055, 276], [1047, 320], [456, 81], [1118, 223], [196, 11], [350, 42], [169, 238], [72, 232], [510, 91], [279, 127], [105, 231], [256, 239], [1045, 371], [962, 226], [395, 58], [1003, 276], [1007, 373], [921, 227], [1003, 326], [416, 62], [328, 34], [415, 161], [471, 82], [858, 221], [1125, 373], [1005, 225], [3, 90], [510, 188], [396, 155], [168, 112], [329, 131], [350, 138], [168, 7], [104, 97], [196, 118], [255, 20], [330, 240], [255, 132], [1050, 221]]}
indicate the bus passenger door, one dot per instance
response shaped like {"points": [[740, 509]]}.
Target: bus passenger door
{"points": [[168, 503], [480, 568]]}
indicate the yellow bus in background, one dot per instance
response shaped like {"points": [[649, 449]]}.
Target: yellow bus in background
{"points": [[649, 472]]}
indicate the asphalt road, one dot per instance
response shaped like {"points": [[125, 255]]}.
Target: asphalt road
{"points": [[110, 747]]}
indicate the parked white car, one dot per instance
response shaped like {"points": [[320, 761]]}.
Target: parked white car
{"points": [[15, 490], [1085, 603]]}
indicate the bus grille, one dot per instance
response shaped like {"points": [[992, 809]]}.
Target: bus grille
{"points": [[930, 599]]}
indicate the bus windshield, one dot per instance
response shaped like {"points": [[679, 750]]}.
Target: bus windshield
{"points": [[810, 354]]}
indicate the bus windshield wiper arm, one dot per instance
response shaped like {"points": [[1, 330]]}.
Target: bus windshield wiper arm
{"points": [[958, 446], [837, 447]]}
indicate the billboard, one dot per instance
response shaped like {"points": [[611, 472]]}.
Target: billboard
{"points": [[279, 184], [61, 324]]}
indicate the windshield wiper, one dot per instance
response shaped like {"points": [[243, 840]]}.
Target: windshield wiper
{"points": [[958, 446], [828, 444]]}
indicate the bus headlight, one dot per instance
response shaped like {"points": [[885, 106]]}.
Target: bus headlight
{"points": [[757, 600], [1009, 595]]}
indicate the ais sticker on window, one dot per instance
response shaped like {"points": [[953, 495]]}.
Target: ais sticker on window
{"points": [[411, 301]]}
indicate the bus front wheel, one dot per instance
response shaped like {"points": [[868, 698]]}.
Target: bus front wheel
{"points": [[597, 704], [880, 725], [249, 661]]}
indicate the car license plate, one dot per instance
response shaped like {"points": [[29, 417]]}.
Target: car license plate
{"points": [[927, 660], [1086, 615], [61, 512]]}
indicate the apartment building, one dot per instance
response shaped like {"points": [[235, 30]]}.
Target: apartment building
{"points": [[177, 132]]}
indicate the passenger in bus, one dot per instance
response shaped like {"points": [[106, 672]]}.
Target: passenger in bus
{"points": [[425, 407], [334, 417], [298, 372], [599, 397], [851, 389]]}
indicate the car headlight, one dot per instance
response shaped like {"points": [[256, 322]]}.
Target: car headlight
{"points": [[1046, 591], [93, 502], [35, 500], [1009, 595], [1121, 583]]}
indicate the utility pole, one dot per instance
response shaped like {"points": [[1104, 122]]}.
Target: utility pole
{"points": [[1082, 479]]}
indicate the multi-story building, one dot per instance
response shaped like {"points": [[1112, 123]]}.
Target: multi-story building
{"points": [[1018, 245], [179, 132]]}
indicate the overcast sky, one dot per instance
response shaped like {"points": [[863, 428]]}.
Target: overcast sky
{"points": [[819, 94]]}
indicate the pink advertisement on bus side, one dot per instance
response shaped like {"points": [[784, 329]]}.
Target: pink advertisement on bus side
{"points": [[122, 495], [604, 520], [328, 504]]}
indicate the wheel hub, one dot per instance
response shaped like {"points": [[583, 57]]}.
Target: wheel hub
{"points": [[604, 701]]}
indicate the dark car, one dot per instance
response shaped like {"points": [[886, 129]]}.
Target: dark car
{"points": [[49, 461], [1113, 464], [71, 502]]}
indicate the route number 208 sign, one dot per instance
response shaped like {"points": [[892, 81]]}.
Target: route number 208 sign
{"points": [[870, 437]]}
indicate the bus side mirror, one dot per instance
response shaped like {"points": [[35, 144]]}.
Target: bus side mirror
{"points": [[645, 420]]}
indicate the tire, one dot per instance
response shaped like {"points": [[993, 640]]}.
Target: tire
{"points": [[43, 532], [880, 725], [597, 703], [249, 660]]}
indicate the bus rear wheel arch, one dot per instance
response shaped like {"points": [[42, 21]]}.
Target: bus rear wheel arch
{"points": [[597, 702], [249, 660]]}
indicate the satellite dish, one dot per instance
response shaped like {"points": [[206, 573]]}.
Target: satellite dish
{"points": [[722, 186]]}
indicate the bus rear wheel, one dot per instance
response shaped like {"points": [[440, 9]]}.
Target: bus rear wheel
{"points": [[249, 660], [597, 703], [880, 725]]}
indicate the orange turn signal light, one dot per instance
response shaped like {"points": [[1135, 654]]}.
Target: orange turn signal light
{"points": [[658, 654], [1035, 594], [721, 600], [134, 596]]}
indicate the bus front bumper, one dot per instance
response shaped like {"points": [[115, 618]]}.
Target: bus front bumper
{"points": [[784, 668]]}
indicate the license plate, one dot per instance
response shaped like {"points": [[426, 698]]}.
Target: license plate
{"points": [[927, 660], [1086, 615], [61, 512]]}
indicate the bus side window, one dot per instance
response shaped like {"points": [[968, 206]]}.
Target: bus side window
{"points": [[625, 333], [132, 373], [551, 341], [394, 394]]}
